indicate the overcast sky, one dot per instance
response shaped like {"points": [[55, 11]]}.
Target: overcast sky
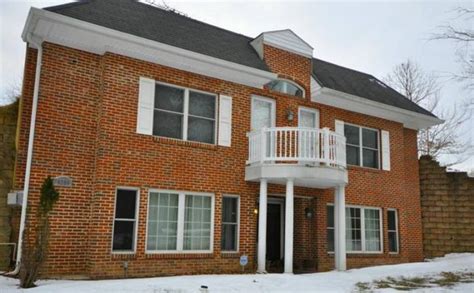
{"points": [[372, 36]]}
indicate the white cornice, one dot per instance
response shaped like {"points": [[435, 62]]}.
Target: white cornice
{"points": [[337, 99], [282, 39], [70, 32]]}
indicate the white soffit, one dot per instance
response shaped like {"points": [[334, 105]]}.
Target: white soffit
{"points": [[352, 103], [285, 40], [59, 29]]}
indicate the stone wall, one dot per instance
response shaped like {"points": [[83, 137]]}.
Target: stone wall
{"points": [[447, 200], [8, 120]]}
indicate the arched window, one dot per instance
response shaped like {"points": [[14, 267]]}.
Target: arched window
{"points": [[286, 86]]}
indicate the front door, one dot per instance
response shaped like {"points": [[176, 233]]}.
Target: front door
{"points": [[275, 234]]}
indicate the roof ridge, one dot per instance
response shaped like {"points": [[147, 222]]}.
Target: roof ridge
{"points": [[192, 19]]}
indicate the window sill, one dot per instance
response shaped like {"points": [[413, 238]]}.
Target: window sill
{"points": [[186, 143], [364, 169], [230, 254], [123, 255], [179, 255], [360, 254]]}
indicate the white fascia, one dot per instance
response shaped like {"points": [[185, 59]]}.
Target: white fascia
{"points": [[337, 99], [70, 32]]}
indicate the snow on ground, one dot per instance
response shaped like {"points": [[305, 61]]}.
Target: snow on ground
{"points": [[317, 282]]}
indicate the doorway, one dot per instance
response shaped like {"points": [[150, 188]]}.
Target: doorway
{"points": [[275, 235]]}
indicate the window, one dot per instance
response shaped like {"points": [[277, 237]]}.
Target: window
{"points": [[330, 227], [392, 220], [363, 229], [286, 87], [230, 223], [362, 146], [125, 220], [179, 221], [184, 114]]}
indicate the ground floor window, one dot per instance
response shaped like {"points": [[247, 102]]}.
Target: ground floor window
{"points": [[230, 223], [179, 221], [392, 221], [125, 220], [363, 229]]}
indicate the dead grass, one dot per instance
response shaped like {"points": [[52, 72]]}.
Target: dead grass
{"points": [[444, 279]]}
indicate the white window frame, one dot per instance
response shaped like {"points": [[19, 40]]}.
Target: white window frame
{"points": [[135, 227], [396, 231], [238, 223], [362, 229], [286, 89], [181, 217], [252, 110], [361, 147], [186, 114]]}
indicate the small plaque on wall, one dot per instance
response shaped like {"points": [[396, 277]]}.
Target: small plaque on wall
{"points": [[62, 181]]}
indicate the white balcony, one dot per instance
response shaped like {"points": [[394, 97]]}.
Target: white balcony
{"points": [[312, 157]]}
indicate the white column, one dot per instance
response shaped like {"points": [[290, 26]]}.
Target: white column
{"points": [[262, 227], [289, 203], [340, 228]]}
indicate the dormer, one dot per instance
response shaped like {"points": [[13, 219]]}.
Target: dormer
{"points": [[282, 39]]}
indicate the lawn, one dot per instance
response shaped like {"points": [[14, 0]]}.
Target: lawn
{"points": [[453, 273]]}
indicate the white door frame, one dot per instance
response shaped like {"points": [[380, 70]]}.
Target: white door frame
{"points": [[311, 110]]}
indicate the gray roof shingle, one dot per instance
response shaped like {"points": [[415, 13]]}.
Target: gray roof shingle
{"points": [[362, 85], [171, 28]]}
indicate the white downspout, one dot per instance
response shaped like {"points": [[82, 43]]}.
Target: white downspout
{"points": [[29, 157]]}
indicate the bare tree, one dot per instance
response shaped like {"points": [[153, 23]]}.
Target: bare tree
{"points": [[12, 94], [464, 40], [424, 89]]}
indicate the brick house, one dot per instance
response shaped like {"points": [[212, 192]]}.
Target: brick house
{"points": [[189, 146]]}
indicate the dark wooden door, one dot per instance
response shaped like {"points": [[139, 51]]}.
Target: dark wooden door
{"points": [[273, 231]]}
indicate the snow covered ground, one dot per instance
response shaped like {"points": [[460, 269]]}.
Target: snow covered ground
{"points": [[318, 282]]}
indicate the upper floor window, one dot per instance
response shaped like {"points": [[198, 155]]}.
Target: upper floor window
{"points": [[362, 146], [286, 87], [184, 114]]}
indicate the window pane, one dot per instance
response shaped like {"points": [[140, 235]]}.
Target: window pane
{"points": [[229, 237], [285, 87], [168, 124], [352, 134], [197, 230], [330, 239], [330, 216], [391, 219], [169, 98], [369, 138], [162, 221], [352, 155], [123, 235], [372, 230], [392, 242], [201, 130], [370, 158], [229, 210], [203, 105], [125, 204], [353, 230]]}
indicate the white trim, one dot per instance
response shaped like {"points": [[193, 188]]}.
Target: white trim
{"points": [[352, 103], [284, 39], [396, 231], [362, 216], [273, 109], [181, 218], [136, 219], [311, 110], [238, 223], [67, 31], [361, 147]]}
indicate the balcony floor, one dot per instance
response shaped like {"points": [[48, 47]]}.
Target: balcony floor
{"points": [[313, 176]]}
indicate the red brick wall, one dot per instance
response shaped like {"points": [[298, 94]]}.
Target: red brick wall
{"points": [[87, 130]]}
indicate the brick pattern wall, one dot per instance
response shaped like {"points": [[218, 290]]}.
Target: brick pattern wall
{"points": [[447, 203], [8, 120], [87, 130]]}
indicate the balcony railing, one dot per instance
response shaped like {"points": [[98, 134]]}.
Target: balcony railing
{"points": [[297, 145]]}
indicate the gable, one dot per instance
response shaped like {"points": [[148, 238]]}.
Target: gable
{"points": [[285, 40]]}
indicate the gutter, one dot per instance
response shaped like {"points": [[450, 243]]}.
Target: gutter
{"points": [[38, 44]]}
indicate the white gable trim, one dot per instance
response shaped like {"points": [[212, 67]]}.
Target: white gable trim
{"points": [[283, 39], [74, 33], [348, 102]]}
